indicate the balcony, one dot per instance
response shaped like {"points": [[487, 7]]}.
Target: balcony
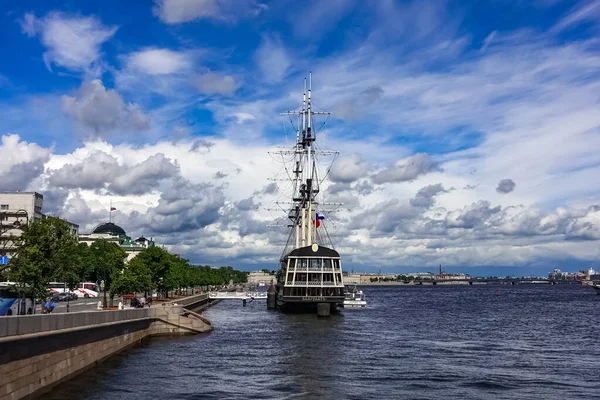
{"points": [[314, 283]]}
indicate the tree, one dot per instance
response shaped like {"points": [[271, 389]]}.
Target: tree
{"points": [[158, 263], [106, 262], [47, 251], [136, 277]]}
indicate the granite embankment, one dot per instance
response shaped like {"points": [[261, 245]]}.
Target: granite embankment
{"points": [[39, 351]]}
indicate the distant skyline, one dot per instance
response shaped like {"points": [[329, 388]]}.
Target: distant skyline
{"points": [[468, 131]]}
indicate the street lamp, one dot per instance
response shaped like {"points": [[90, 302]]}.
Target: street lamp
{"points": [[5, 227]]}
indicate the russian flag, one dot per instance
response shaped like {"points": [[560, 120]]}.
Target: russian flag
{"points": [[318, 220]]}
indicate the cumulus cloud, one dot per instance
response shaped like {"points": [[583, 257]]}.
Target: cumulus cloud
{"points": [[72, 41], [216, 83], [425, 197], [407, 170], [156, 61], [20, 162], [272, 59], [101, 171], [183, 207], [101, 110], [505, 186], [348, 169], [145, 176], [179, 11]]}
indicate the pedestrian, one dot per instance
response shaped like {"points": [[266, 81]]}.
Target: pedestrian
{"points": [[52, 305], [142, 301], [120, 305], [99, 304], [149, 301], [46, 306]]}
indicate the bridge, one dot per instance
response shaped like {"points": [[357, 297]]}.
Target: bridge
{"points": [[237, 296]]}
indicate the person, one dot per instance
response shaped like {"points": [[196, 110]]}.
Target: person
{"points": [[149, 301], [120, 305], [142, 301], [99, 304], [46, 306], [52, 305]]}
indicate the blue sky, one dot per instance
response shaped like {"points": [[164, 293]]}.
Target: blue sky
{"points": [[133, 102]]}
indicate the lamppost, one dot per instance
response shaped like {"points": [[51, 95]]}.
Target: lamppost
{"points": [[5, 227]]}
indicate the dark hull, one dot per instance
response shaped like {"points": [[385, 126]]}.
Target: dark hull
{"points": [[292, 306]]}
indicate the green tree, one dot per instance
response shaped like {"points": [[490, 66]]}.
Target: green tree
{"points": [[106, 262], [47, 251], [136, 277]]}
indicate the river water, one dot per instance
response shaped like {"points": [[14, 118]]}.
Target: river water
{"points": [[461, 342]]}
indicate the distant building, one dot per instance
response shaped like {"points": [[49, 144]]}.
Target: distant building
{"points": [[18, 209], [352, 279], [112, 232], [260, 277]]}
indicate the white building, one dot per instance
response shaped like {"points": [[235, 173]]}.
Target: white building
{"points": [[260, 277], [18, 209], [114, 233]]}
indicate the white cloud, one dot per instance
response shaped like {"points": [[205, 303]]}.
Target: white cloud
{"points": [[589, 10], [348, 168], [216, 83], [407, 170], [158, 61], [101, 110], [179, 11], [272, 59], [20, 162], [73, 42]]}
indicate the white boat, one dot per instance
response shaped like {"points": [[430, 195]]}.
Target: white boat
{"points": [[354, 298]]}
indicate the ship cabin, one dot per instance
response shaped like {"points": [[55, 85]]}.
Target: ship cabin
{"points": [[312, 273]]}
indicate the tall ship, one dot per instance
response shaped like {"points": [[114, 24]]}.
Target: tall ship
{"points": [[310, 271]]}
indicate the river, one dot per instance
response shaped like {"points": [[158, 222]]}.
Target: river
{"points": [[437, 342]]}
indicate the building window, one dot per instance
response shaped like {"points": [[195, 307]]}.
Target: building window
{"points": [[38, 209], [4, 207]]}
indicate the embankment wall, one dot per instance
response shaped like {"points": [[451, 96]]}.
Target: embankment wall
{"points": [[39, 351]]}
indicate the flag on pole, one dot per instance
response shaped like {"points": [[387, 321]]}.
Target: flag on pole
{"points": [[113, 209], [318, 220]]}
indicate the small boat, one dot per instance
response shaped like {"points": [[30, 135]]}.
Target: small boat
{"points": [[354, 298], [597, 287]]}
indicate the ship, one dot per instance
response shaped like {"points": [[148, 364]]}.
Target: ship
{"points": [[310, 269], [354, 298]]}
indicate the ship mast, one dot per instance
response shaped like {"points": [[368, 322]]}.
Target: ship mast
{"points": [[305, 179]]}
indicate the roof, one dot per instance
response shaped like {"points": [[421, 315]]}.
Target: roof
{"points": [[308, 252], [110, 228]]}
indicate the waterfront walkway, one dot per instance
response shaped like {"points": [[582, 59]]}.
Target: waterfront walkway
{"points": [[238, 295]]}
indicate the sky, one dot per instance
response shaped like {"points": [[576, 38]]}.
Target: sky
{"points": [[468, 132]]}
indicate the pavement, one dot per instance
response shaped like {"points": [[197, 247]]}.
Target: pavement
{"points": [[81, 304]]}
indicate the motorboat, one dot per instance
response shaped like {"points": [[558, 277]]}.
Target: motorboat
{"points": [[354, 298]]}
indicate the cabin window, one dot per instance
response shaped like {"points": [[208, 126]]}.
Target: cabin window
{"points": [[315, 263], [327, 264]]}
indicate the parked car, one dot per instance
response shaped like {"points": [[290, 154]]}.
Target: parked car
{"points": [[73, 295], [63, 296], [55, 297]]}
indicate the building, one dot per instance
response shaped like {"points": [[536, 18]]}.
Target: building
{"points": [[352, 279], [260, 277], [112, 232], [18, 209]]}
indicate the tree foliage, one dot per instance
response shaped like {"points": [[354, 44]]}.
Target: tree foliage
{"points": [[47, 251]]}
